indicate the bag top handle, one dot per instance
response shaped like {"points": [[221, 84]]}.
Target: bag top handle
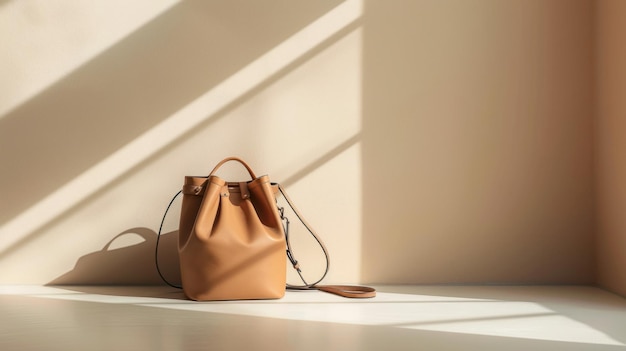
{"points": [[234, 159]]}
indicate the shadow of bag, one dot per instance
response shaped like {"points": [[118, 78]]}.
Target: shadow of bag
{"points": [[128, 265]]}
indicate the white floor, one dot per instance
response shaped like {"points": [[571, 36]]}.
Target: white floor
{"points": [[399, 318]]}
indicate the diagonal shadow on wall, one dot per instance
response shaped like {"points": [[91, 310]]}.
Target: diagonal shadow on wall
{"points": [[156, 150], [130, 103], [139, 82]]}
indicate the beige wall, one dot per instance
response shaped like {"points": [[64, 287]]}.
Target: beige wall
{"points": [[427, 141], [611, 145], [477, 152], [106, 113]]}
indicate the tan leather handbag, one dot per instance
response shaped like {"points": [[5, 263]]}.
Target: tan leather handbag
{"points": [[234, 240]]}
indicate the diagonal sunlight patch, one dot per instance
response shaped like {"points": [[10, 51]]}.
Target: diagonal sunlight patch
{"points": [[41, 45], [542, 326], [183, 121], [478, 316], [528, 320]]}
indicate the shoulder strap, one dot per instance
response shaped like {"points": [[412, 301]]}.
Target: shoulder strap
{"points": [[352, 291], [156, 248]]}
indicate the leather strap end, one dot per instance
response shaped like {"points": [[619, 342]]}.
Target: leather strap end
{"points": [[352, 291]]}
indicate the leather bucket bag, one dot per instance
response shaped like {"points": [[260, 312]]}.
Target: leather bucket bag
{"points": [[233, 241]]}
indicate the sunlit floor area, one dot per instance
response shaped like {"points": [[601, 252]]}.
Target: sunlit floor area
{"points": [[399, 318]]}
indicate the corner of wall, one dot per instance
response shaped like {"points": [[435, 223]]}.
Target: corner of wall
{"points": [[610, 145]]}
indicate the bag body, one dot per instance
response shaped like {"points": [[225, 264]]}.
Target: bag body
{"points": [[231, 240]]}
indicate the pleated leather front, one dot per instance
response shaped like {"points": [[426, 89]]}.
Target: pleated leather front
{"points": [[231, 240]]}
